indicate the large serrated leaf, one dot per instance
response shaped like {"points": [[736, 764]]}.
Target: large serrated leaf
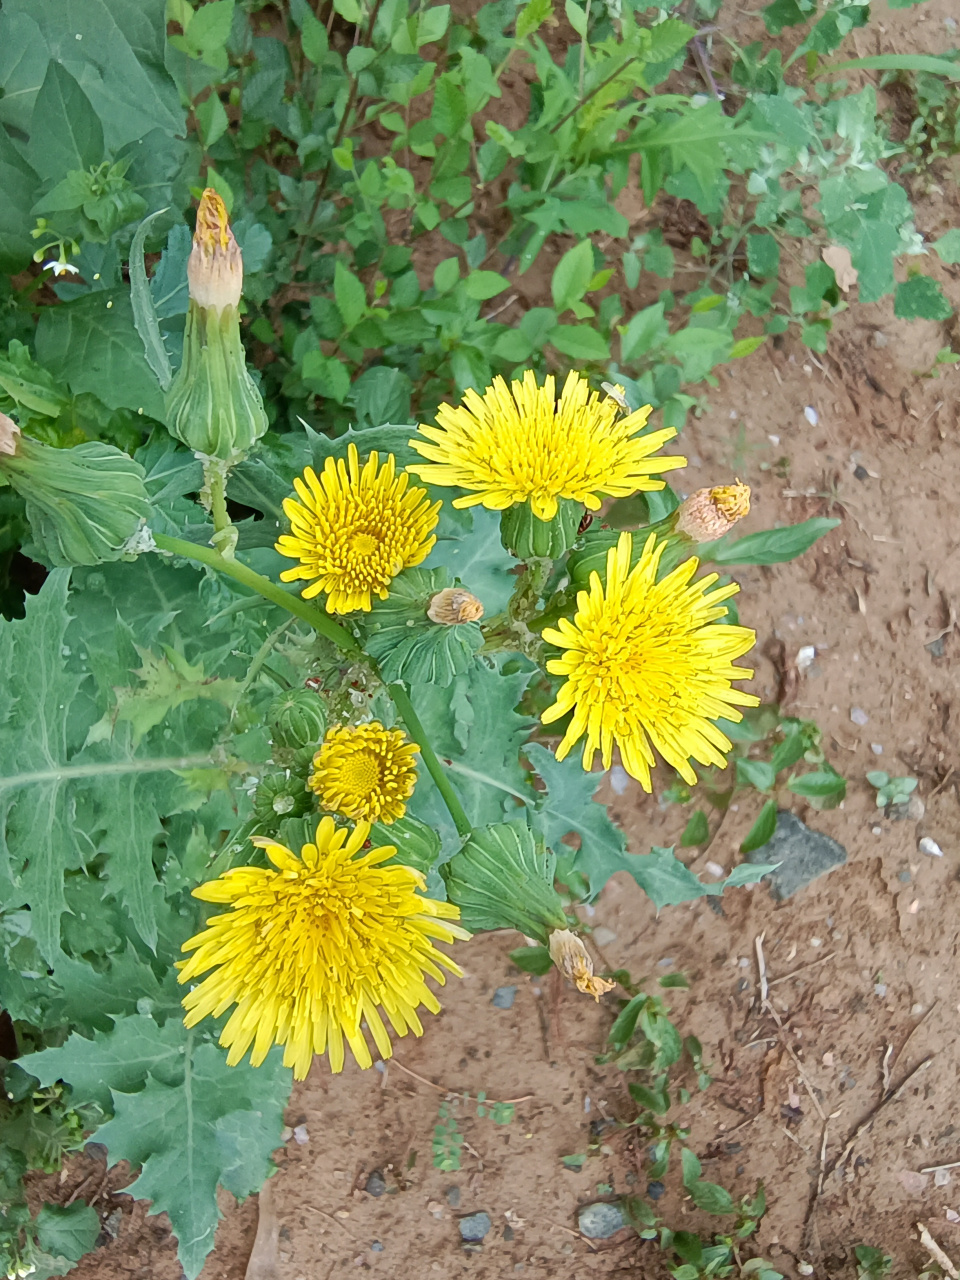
{"points": [[218, 1127]]}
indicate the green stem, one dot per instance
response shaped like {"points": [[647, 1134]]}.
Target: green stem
{"points": [[323, 625], [434, 768], [331, 630], [218, 500]]}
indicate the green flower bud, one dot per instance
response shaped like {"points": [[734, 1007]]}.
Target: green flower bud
{"points": [[531, 538], [281, 795], [213, 405], [83, 504], [502, 879], [417, 845], [297, 718]]}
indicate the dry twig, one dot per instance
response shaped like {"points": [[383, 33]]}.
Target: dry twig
{"points": [[931, 1246]]}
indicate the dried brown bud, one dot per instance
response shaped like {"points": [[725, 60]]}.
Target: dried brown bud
{"points": [[710, 513], [9, 432], [570, 956], [215, 265], [453, 605]]}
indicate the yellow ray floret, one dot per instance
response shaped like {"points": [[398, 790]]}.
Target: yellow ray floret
{"points": [[310, 951], [365, 772], [648, 667], [353, 530], [520, 444]]}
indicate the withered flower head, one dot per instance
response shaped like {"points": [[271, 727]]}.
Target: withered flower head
{"points": [[9, 433], [453, 605], [710, 513], [572, 959]]}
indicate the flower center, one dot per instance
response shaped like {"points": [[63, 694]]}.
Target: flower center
{"points": [[363, 544], [361, 773]]}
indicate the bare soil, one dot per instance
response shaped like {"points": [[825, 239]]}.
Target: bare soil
{"points": [[839, 1101]]}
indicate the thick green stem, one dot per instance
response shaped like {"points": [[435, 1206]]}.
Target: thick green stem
{"points": [[322, 624], [331, 630], [218, 500], [434, 767]]}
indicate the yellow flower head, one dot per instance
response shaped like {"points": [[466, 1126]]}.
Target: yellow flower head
{"points": [[365, 772], [710, 513], [520, 444], [310, 950], [354, 530], [215, 265], [648, 666]]}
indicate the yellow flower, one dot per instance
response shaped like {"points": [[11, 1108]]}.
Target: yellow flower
{"points": [[311, 950], [648, 666], [365, 772], [519, 444], [354, 530]]}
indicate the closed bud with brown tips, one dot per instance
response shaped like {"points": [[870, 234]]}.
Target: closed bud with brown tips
{"points": [[573, 960]]}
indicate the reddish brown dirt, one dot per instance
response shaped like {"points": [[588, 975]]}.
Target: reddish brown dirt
{"points": [[789, 1098]]}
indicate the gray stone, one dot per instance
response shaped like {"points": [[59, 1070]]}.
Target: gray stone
{"points": [[803, 855], [599, 1221], [376, 1184], [655, 1190], [503, 997], [376, 1247], [475, 1227], [453, 1197]]}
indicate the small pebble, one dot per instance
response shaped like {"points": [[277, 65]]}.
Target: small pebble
{"points": [[858, 715], [300, 1135], [876, 748], [880, 989], [877, 831], [453, 1197], [774, 439], [816, 942], [475, 1227], [619, 780], [603, 936], [655, 1190], [508, 1234], [941, 1178], [376, 1184], [586, 1104], [503, 997], [600, 1221], [927, 845], [376, 1247], [811, 415], [714, 869], [666, 962], [805, 657]]}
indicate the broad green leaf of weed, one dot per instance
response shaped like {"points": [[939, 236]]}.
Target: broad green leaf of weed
{"points": [[218, 1127]]}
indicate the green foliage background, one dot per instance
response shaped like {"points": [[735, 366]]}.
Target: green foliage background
{"points": [[133, 713]]}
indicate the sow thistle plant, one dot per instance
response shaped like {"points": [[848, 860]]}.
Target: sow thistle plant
{"points": [[387, 742]]}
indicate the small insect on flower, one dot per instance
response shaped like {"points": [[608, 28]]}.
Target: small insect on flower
{"points": [[618, 393], [314, 947], [648, 666], [365, 772], [353, 530]]}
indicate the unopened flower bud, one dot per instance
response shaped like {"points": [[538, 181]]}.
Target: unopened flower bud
{"points": [[710, 513], [215, 265], [501, 879], [83, 504], [453, 605], [9, 431], [572, 959], [213, 405]]}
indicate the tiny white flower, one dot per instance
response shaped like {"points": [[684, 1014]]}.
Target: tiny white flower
{"points": [[60, 268]]}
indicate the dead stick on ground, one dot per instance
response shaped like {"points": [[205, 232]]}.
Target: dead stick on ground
{"points": [[796, 1061], [931, 1246], [803, 968], [935, 1168], [865, 1124], [442, 1088], [762, 968], [912, 1032]]}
